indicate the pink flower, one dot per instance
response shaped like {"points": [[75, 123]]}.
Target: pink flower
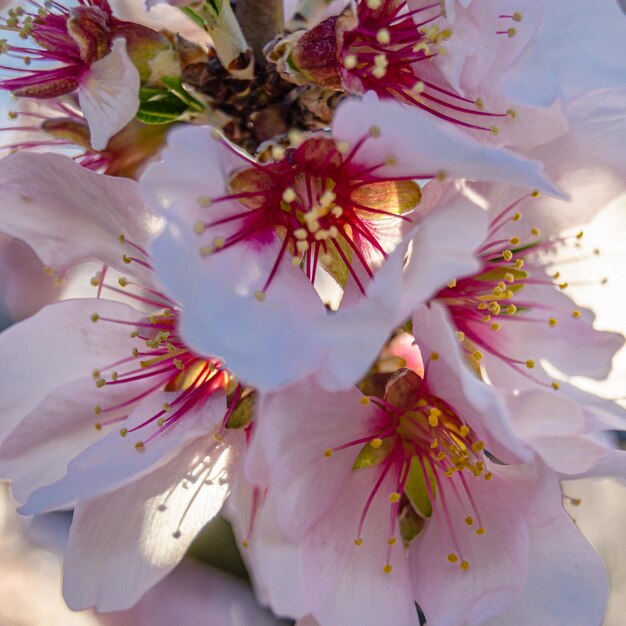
{"points": [[398, 495], [90, 49], [111, 369], [476, 65], [253, 237]]}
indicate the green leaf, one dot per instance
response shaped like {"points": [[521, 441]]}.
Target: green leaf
{"points": [[175, 87], [417, 490], [161, 111], [192, 15], [411, 524]]}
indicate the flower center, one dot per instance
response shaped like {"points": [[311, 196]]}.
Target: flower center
{"points": [[322, 204], [158, 360], [386, 49], [420, 442]]}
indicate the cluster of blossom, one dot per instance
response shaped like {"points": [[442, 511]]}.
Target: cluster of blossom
{"points": [[323, 302]]}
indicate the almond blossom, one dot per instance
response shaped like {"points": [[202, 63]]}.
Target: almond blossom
{"points": [[259, 234], [140, 418], [398, 494], [92, 52]]}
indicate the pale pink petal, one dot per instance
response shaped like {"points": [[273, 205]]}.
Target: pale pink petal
{"points": [[478, 404], [24, 287], [498, 560], [195, 594], [423, 147], [566, 582], [38, 450], [109, 564], [109, 94], [347, 583], [114, 460], [63, 343], [295, 428], [78, 220]]}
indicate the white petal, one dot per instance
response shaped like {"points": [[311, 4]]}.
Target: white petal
{"points": [[109, 94]]}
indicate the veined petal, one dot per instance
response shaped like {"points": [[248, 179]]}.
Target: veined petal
{"points": [[109, 94], [109, 564], [68, 223]]}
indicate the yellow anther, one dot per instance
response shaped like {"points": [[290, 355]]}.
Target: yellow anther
{"points": [[123, 432], [453, 558], [434, 444], [441, 175], [96, 373], [552, 322], [494, 130], [376, 443], [507, 255], [450, 472], [511, 32], [365, 400], [139, 446], [302, 246], [374, 4], [217, 437], [343, 147], [460, 336], [328, 453], [178, 364], [469, 520], [478, 446], [97, 409], [496, 326], [383, 36], [289, 195], [556, 275], [296, 261], [441, 456], [337, 211], [160, 422], [477, 355], [464, 430], [433, 420], [517, 217], [511, 309], [464, 565], [487, 475], [486, 318], [452, 283], [563, 285], [95, 317], [511, 113], [199, 228], [479, 103], [135, 352], [167, 406], [100, 383], [259, 295], [555, 385], [576, 314], [509, 278], [434, 356], [535, 231], [391, 541], [206, 251], [418, 87], [482, 306], [530, 364], [204, 201], [114, 376], [517, 16], [388, 569], [495, 308], [245, 544], [394, 497], [515, 241], [350, 61], [295, 138], [358, 541], [519, 263], [126, 258], [480, 531], [575, 501], [278, 153], [580, 235]]}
